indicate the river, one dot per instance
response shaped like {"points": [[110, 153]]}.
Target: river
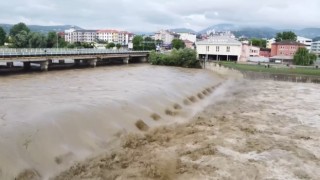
{"points": [[50, 120]]}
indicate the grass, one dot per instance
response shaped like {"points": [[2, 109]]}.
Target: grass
{"points": [[275, 69]]}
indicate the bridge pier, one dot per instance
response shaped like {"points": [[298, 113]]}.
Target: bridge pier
{"points": [[26, 65], [126, 60], [44, 65], [9, 64], [61, 61], [93, 63], [144, 59], [77, 62]]}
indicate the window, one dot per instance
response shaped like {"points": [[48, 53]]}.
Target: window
{"points": [[228, 48], [217, 49]]}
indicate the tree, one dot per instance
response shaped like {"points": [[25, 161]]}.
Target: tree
{"points": [[137, 43], [110, 45], [20, 40], [2, 36], [37, 40], [303, 57], [118, 46], [18, 28], [178, 44], [286, 35], [259, 42], [52, 39]]}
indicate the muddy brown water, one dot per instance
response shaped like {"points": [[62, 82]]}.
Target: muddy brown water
{"points": [[48, 121]]}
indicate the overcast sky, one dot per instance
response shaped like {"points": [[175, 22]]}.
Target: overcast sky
{"points": [[152, 15]]}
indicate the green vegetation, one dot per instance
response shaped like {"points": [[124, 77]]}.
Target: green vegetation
{"points": [[304, 57], [178, 44], [118, 46], [147, 43], [287, 35], [258, 42], [182, 57], [2, 36], [110, 45], [275, 69]]}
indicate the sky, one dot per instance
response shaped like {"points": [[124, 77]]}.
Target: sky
{"points": [[153, 15]]}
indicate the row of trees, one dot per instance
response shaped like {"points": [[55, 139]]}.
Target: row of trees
{"points": [[182, 57], [20, 36], [147, 43]]}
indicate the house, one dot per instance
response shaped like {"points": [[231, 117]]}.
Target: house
{"points": [[222, 48], [283, 52], [248, 51]]}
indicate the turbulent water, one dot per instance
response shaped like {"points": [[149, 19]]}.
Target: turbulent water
{"points": [[50, 120], [148, 122]]}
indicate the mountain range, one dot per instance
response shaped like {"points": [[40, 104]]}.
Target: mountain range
{"points": [[239, 31]]}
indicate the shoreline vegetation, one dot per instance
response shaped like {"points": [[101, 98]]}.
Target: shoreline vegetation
{"points": [[273, 69], [183, 58]]}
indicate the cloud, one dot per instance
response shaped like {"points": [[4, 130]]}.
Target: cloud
{"points": [[151, 15]]}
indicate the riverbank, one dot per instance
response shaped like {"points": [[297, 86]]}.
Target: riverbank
{"points": [[256, 130], [274, 69]]}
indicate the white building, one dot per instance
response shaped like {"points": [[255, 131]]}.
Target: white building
{"points": [[219, 48], [188, 36], [305, 41], [122, 37], [315, 47], [72, 35], [165, 36]]}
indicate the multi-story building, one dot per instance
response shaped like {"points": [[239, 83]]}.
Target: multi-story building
{"points": [[306, 41], [187, 36], [265, 52], [165, 36], [283, 52], [315, 47], [219, 48], [122, 37], [248, 51], [72, 35]]}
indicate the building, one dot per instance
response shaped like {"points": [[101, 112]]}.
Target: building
{"points": [[283, 52], [122, 37], [315, 47], [165, 36], [270, 42], [219, 48], [307, 42], [265, 52], [72, 35], [248, 51], [188, 36], [189, 44]]}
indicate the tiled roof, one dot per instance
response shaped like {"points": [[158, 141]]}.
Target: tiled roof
{"points": [[220, 40], [288, 42]]}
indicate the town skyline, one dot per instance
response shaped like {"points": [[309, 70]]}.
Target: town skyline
{"points": [[154, 15]]}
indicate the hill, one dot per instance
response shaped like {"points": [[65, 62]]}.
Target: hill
{"points": [[41, 29]]}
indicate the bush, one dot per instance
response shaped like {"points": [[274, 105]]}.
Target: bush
{"points": [[182, 57]]}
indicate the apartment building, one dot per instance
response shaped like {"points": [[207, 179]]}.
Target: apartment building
{"points": [[315, 47], [122, 37], [187, 36], [165, 36], [306, 41]]}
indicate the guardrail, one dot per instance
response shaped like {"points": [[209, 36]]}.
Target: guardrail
{"points": [[5, 52]]}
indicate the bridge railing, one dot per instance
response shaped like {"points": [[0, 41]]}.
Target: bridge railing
{"points": [[60, 51]]}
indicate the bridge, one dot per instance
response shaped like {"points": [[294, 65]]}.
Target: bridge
{"points": [[46, 58]]}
